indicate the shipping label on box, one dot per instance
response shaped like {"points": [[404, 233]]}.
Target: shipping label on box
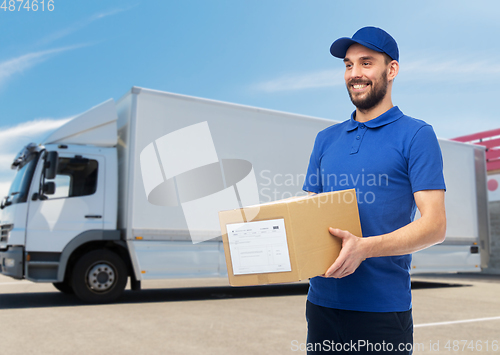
{"points": [[287, 240], [258, 247]]}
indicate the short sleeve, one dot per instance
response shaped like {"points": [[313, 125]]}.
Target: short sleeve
{"points": [[312, 181], [425, 162]]}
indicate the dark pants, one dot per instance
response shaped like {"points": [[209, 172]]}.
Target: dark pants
{"points": [[336, 331]]}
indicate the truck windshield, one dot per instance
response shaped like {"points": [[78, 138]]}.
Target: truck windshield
{"points": [[19, 189]]}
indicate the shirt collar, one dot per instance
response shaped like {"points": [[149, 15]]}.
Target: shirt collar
{"points": [[387, 117]]}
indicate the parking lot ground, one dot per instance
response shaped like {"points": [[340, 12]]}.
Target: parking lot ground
{"points": [[209, 317], [460, 315]]}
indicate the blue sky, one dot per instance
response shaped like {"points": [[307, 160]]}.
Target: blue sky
{"points": [[266, 53]]}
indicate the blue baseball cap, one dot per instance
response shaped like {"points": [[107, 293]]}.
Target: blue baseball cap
{"points": [[371, 37]]}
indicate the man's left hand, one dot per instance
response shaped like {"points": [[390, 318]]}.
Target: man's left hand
{"points": [[350, 257]]}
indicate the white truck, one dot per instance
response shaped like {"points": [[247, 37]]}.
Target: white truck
{"points": [[103, 198]]}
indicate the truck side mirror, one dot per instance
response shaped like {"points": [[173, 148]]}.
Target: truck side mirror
{"points": [[49, 188], [51, 165]]}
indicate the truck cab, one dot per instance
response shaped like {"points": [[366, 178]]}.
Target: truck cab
{"points": [[62, 208]]}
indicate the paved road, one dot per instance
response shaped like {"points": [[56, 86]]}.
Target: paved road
{"points": [[182, 317]]}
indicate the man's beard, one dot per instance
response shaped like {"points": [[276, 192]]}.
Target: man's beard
{"points": [[376, 94]]}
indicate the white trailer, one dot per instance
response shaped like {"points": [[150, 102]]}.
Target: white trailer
{"points": [[466, 247], [100, 201]]}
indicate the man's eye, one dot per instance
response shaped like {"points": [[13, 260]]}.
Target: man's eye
{"points": [[366, 64]]}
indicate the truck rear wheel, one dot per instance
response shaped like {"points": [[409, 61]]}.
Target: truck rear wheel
{"points": [[99, 276]]}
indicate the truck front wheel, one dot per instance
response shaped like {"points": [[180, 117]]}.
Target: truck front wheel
{"points": [[64, 287], [99, 276]]}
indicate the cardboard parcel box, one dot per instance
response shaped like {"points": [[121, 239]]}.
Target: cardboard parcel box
{"points": [[286, 240]]}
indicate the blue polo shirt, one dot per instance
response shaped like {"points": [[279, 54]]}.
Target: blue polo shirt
{"points": [[386, 160]]}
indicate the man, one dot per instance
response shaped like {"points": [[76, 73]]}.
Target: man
{"points": [[363, 302]]}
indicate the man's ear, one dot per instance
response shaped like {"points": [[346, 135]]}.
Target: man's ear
{"points": [[393, 70]]}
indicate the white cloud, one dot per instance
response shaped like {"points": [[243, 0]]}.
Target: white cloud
{"points": [[437, 69], [13, 139], [28, 130], [425, 70], [25, 62], [22, 63], [293, 82], [81, 24]]}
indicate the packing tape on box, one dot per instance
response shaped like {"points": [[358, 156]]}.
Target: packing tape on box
{"points": [[262, 279]]}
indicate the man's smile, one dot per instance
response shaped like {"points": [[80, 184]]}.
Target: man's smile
{"points": [[359, 87]]}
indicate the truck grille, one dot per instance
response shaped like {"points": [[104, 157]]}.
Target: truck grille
{"points": [[4, 232]]}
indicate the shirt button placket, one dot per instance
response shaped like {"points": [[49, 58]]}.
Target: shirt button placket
{"points": [[360, 132]]}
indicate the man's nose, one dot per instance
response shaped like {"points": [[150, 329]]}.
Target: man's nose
{"points": [[355, 71]]}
